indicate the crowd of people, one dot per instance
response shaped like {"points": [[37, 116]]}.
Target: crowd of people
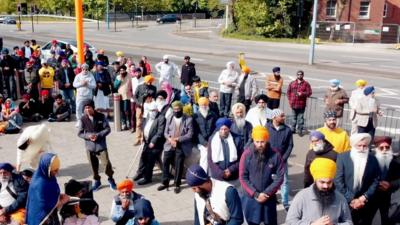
{"points": [[232, 153]]}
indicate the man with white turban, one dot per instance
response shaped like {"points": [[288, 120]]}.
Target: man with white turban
{"points": [[357, 178], [228, 81]]}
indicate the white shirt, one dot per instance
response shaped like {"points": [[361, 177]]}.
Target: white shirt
{"points": [[135, 83], [28, 52], [84, 91], [227, 77], [147, 127], [167, 71], [6, 199]]}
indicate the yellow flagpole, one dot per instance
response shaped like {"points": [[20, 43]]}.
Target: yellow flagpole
{"points": [[79, 30]]}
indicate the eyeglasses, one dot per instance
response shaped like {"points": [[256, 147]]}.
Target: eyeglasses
{"points": [[300, 74]]}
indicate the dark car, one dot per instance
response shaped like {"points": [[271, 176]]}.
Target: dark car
{"points": [[170, 18], [9, 20]]}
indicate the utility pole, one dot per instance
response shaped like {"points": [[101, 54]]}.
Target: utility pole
{"points": [[313, 31], [108, 14], [226, 16], [32, 11], [98, 16], [195, 11], [136, 13], [115, 17]]}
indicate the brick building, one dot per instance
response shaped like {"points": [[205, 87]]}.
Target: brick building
{"points": [[361, 21]]}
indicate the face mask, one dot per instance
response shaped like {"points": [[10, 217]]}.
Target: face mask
{"points": [[160, 104], [178, 114]]}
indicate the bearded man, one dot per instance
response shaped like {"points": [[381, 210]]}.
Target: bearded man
{"points": [[390, 177], [216, 202], [240, 129], [337, 136], [261, 174], [259, 114], [320, 148], [307, 204], [357, 178], [204, 126]]}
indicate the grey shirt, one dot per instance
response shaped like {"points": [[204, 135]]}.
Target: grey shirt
{"points": [[306, 209]]}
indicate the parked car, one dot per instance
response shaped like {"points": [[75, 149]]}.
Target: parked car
{"points": [[63, 43], [169, 18], [8, 20]]}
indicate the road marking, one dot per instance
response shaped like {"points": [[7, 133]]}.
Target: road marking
{"points": [[360, 64], [181, 57], [369, 58], [390, 67]]}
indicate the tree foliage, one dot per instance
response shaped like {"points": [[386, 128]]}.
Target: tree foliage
{"points": [[269, 18]]}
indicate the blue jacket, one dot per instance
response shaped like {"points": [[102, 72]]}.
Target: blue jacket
{"points": [[344, 179], [281, 139], [204, 127], [242, 139], [256, 177]]}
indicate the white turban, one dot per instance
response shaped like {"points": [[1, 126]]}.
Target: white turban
{"points": [[229, 64], [355, 138]]}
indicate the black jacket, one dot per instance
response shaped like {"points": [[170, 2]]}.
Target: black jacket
{"points": [[143, 91], [100, 127], [156, 135], [214, 108], [61, 77], [204, 127], [21, 193], [327, 152], [187, 74], [8, 62]]}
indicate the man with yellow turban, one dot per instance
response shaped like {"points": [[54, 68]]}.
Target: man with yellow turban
{"points": [[261, 172], [122, 210], [354, 98], [246, 89], [204, 126], [307, 204]]}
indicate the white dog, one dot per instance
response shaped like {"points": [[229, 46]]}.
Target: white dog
{"points": [[33, 141]]}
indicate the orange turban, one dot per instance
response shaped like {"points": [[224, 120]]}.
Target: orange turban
{"points": [[260, 133], [125, 184], [322, 168], [203, 101], [148, 79], [246, 69]]}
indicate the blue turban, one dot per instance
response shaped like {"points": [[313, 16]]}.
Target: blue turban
{"points": [[368, 90], [334, 82], [223, 122], [276, 69], [330, 114], [317, 134], [7, 167], [196, 176]]}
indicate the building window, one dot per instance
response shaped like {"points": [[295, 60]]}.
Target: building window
{"points": [[331, 8], [364, 9], [385, 10]]}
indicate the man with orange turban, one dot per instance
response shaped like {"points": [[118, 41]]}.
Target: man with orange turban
{"points": [[247, 88], [306, 205], [261, 172], [122, 211]]}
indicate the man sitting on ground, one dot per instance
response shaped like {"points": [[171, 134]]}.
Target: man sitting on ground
{"points": [[61, 110]]}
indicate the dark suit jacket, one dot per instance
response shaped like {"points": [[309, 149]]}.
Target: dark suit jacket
{"points": [[61, 77], [344, 179], [100, 127], [185, 142], [156, 135]]}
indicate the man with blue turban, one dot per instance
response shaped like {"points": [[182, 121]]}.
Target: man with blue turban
{"points": [[223, 154]]}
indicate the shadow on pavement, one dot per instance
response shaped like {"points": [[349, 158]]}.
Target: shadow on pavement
{"points": [[80, 171]]}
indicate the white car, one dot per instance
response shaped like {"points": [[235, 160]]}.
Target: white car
{"points": [[45, 50]]}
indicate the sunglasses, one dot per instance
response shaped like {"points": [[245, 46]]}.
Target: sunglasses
{"points": [[385, 147]]}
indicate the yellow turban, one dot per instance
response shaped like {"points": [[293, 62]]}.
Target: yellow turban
{"points": [[361, 83], [148, 79], [260, 133], [55, 163], [119, 54], [125, 184], [323, 168], [187, 110], [246, 69], [203, 101]]}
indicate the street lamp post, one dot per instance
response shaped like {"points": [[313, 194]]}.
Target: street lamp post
{"points": [[195, 11], [108, 14], [313, 31]]}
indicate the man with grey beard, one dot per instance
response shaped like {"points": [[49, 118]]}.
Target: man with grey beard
{"points": [[390, 177], [13, 194], [259, 114], [240, 129], [204, 126]]}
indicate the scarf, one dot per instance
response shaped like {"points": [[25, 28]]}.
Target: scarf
{"points": [[217, 153]]}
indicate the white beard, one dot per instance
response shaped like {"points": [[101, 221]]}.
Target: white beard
{"points": [[261, 114], [240, 122], [160, 104], [203, 112], [359, 161], [384, 159]]}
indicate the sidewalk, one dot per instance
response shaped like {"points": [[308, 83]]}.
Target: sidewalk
{"points": [[170, 208]]}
